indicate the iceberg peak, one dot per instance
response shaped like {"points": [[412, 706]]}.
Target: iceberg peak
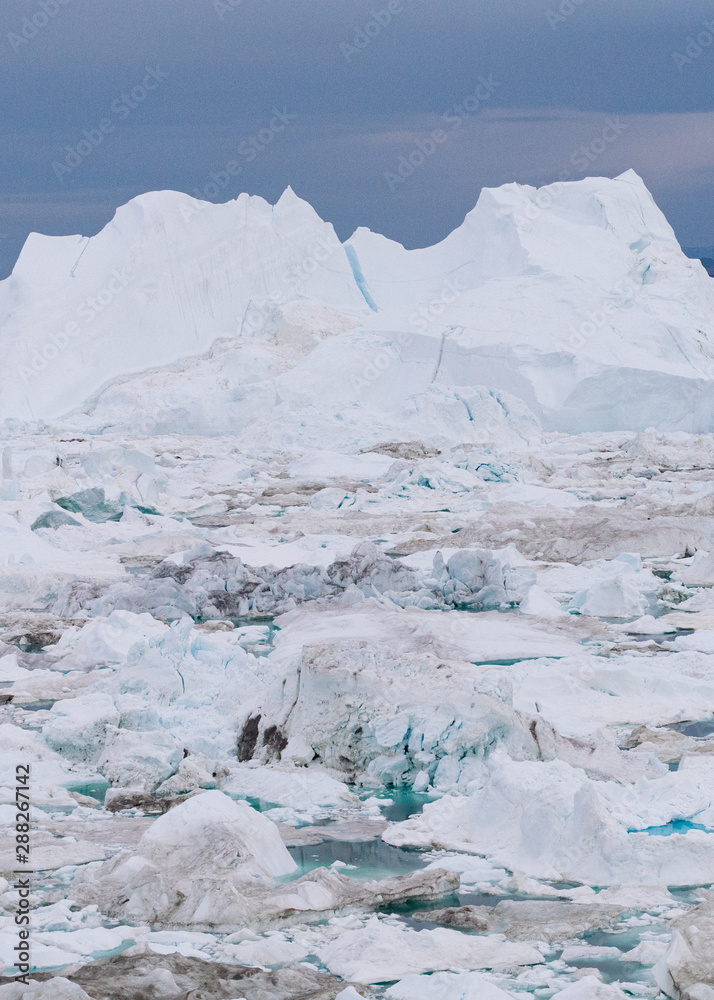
{"points": [[574, 297]]}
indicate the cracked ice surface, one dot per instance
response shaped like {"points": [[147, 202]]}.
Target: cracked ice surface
{"points": [[359, 656]]}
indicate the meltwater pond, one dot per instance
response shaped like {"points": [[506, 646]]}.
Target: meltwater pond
{"points": [[705, 727], [401, 803], [612, 968], [96, 789], [366, 859], [676, 826]]}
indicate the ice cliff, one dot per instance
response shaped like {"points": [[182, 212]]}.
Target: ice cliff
{"points": [[571, 306]]}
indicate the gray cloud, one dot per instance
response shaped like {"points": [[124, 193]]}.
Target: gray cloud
{"points": [[356, 106]]}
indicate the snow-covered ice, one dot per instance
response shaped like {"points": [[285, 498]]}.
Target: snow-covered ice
{"points": [[356, 612], [381, 951]]}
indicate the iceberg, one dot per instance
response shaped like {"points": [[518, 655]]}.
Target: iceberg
{"points": [[581, 318], [355, 603]]}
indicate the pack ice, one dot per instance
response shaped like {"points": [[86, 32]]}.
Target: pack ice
{"points": [[356, 609]]}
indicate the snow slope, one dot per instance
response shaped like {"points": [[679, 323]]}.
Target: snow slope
{"points": [[573, 304]]}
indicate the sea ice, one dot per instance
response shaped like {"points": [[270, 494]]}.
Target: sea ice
{"points": [[549, 820], [446, 986], [590, 988], [78, 726], [687, 969], [330, 539], [57, 988], [382, 951]]}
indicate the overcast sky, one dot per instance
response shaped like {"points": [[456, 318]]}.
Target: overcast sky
{"points": [[105, 99]]}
